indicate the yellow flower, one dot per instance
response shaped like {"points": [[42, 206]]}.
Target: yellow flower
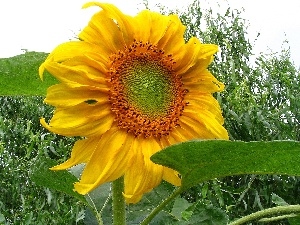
{"points": [[131, 86]]}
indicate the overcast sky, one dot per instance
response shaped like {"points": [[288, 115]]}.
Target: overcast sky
{"points": [[40, 25]]}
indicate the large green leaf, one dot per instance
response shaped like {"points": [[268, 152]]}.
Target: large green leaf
{"points": [[294, 220], [19, 75], [199, 161], [59, 180]]}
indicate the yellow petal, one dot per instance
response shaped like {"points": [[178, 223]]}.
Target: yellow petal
{"points": [[204, 124], [108, 162], [172, 40], [143, 22], [196, 127], [103, 31], [143, 175], [201, 102], [75, 77], [74, 49], [180, 135], [81, 153], [202, 82], [125, 22], [205, 86], [81, 120], [191, 53], [61, 95], [195, 71], [165, 142], [151, 26], [171, 176], [93, 70]]}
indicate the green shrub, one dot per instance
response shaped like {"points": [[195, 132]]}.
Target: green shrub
{"points": [[23, 142], [259, 103]]}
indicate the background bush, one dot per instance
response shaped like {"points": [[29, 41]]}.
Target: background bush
{"points": [[23, 142], [260, 102]]}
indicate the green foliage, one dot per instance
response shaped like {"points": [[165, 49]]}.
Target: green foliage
{"points": [[260, 99], [199, 161], [56, 180], [22, 142], [26, 147], [19, 75], [137, 212], [198, 213], [260, 103]]}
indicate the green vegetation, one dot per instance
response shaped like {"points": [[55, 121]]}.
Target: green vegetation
{"points": [[23, 143], [19, 75], [260, 103]]}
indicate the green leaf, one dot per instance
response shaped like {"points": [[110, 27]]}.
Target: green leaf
{"points": [[58, 180], [207, 215], [2, 218], [199, 161], [180, 205], [163, 218], [294, 220], [100, 200], [135, 213], [278, 200]]}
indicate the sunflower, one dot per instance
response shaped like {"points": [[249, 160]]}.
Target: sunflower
{"points": [[131, 86]]}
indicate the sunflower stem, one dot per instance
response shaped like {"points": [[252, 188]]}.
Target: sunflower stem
{"points": [[161, 206], [279, 210], [118, 204]]}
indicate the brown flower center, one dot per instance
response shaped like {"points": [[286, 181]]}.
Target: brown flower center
{"points": [[146, 95]]}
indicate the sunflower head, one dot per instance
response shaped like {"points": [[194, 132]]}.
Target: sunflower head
{"points": [[130, 87]]}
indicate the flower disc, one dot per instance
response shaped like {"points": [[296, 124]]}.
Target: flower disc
{"points": [[148, 88], [145, 91]]}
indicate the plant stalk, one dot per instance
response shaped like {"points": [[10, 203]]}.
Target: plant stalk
{"points": [[161, 206], [279, 210], [118, 202]]}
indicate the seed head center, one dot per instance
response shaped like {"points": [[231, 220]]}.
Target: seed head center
{"points": [[148, 88], [146, 95]]}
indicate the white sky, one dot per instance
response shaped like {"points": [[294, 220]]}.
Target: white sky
{"points": [[40, 25]]}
